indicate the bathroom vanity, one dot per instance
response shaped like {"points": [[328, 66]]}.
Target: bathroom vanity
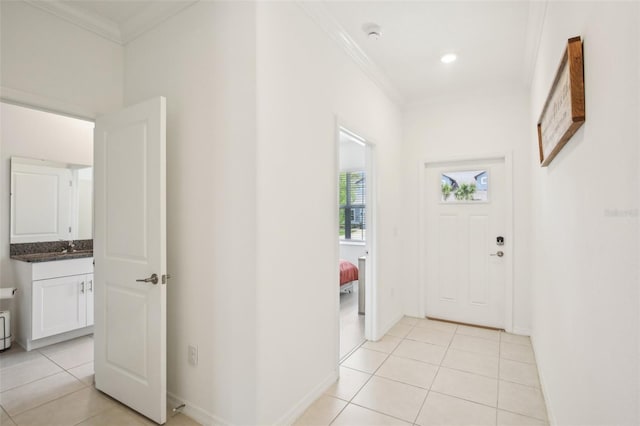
{"points": [[51, 250], [55, 298]]}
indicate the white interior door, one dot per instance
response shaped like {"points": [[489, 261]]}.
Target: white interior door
{"points": [[130, 245], [465, 267]]}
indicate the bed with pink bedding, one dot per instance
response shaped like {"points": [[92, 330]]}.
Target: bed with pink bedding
{"points": [[348, 272]]}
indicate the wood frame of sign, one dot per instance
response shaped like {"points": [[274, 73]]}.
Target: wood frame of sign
{"points": [[564, 110]]}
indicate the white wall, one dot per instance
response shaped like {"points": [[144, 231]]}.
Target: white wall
{"points": [[585, 275], [267, 327], [46, 60], [465, 125], [49, 63], [304, 82], [203, 61], [30, 133], [351, 252]]}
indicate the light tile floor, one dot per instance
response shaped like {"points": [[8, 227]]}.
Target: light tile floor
{"points": [[53, 386], [426, 373]]}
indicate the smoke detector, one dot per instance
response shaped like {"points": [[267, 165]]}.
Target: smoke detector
{"points": [[373, 31]]}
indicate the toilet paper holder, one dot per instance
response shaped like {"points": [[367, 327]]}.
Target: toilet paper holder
{"points": [[7, 293]]}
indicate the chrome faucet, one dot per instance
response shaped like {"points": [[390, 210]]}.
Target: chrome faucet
{"points": [[71, 247]]}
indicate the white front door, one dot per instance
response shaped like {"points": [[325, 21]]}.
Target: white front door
{"points": [[465, 267], [129, 246]]}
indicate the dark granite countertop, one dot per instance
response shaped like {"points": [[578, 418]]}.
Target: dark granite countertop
{"points": [[49, 257]]}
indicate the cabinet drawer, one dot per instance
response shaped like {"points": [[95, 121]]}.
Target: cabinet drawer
{"points": [[62, 268]]}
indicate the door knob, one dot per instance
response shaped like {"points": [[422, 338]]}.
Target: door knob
{"points": [[153, 279], [499, 254]]}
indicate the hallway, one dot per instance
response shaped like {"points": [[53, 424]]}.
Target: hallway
{"points": [[426, 372]]}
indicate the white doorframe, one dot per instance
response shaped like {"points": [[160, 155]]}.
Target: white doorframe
{"points": [[508, 168], [371, 328], [43, 103]]}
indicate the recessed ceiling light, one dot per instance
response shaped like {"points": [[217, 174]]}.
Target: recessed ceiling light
{"points": [[372, 30], [448, 58]]}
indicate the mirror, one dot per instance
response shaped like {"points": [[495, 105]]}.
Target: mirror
{"points": [[50, 201]]}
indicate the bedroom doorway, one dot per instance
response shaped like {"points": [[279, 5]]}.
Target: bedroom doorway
{"points": [[355, 238]]}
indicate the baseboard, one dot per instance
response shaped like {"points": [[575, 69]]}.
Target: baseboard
{"points": [[296, 411], [522, 331], [30, 345], [543, 387], [193, 411], [390, 324]]}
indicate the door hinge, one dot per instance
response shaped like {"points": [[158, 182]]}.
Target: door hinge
{"points": [[69, 229]]}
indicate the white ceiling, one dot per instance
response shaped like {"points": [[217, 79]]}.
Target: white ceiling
{"points": [[493, 39], [489, 38], [117, 20], [117, 11]]}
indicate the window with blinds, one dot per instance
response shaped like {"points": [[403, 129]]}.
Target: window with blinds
{"points": [[352, 206]]}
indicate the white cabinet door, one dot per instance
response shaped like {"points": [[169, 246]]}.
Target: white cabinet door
{"points": [[40, 203], [59, 305], [89, 295]]}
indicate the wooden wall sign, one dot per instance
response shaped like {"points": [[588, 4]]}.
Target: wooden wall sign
{"points": [[563, 112]]}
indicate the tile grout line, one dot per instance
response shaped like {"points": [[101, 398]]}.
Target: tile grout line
{"points": [[9, 415], [63, 370], [372, 375], [50, 401], [350, 401], [439, 367], [435, 376], [33, 381], [83, 387], [384, 414]]}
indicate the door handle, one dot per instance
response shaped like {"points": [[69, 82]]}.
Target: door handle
{"points": [[153, 279], [499, 254]]}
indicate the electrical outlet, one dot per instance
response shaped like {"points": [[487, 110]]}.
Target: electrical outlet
{"points": [[193, 355]]}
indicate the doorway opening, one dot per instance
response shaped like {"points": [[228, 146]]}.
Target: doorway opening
{"points": [[355, 237], [62, 296]]}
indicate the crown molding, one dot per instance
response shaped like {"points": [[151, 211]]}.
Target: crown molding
{"points": [[150, 18], [121, 34], [318, 12], [89, 21], [535, 25]]}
